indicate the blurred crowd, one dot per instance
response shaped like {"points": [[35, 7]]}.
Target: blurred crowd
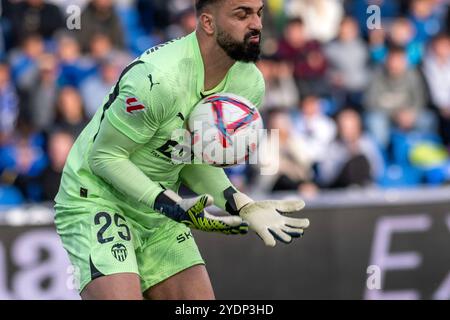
{"points": [[360, 95]]}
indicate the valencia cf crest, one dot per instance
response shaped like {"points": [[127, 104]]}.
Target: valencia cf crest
{"points": [[119, 251]]}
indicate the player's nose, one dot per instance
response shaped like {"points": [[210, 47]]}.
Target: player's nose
{"points": [[256, 23]]}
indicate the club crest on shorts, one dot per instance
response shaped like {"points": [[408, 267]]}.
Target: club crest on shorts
{"points": [[119, 251]]}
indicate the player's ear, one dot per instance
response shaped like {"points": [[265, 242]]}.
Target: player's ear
{"points": [[206, 22]]}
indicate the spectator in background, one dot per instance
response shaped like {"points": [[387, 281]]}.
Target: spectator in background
{"points": [[99, 16], [353, 159], [412, 148], [64, 4], [101, 48], [184, 23], [9, 104], [177, 6], [437, 72], [306, 56], [348, 58], [290, 164], [24, 61], [5, 27], [281, 91], [22, 159], [97, 87], [395, 87], [377, 45], [314, 128], [30, 17], [41, 97], [2, 36], [154, 15], [321, 17], [427, 20], [70, 114], [404, 6], [74, 68], [274, 15], [59, 145], [401, 34], [448, 20]]}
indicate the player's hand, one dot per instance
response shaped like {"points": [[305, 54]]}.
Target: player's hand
{"points": [[267, 220], [192, 213]]}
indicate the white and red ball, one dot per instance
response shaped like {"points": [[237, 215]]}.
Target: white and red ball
{"points": [[225, 130]]}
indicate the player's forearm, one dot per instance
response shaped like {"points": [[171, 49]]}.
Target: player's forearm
{"points": [[202, 178], [124, 176], [109, 159]]}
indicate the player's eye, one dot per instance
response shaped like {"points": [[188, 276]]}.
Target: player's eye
{"points": [[241, 15]]}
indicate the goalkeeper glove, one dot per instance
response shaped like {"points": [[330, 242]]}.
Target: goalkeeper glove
{"points": [[191, 213], [265, 219]]}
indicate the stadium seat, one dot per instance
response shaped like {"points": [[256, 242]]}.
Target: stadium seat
{"points": [[10, 196], [137, 40], [396, 176]]}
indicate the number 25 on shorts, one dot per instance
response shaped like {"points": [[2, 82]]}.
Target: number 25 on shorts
{"points": [[104, 220]]}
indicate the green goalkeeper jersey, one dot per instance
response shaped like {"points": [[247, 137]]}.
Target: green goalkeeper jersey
{"points": [[152, 98]]}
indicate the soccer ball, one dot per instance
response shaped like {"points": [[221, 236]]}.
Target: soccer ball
{"points": [[225, 130]]}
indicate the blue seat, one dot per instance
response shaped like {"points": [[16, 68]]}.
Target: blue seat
{"points": [[397, 176], [10, 196], [438, 175], [136, 38]]}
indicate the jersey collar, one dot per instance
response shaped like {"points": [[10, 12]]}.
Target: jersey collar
{"points": [[201, 70]]}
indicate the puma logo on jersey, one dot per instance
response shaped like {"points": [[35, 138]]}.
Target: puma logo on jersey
{"points": [[133, 105], [152, 84], [180, 115]]}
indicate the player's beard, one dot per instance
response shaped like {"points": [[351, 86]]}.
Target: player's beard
{"points": [[244, 51]]}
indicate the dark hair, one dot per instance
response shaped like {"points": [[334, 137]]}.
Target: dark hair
{"points": [[30, 36], [309, 96], [439, 37], [396, 49], [201, 4], [295, 20], [60, 117]]}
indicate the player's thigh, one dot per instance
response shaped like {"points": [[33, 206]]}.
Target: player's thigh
{"points": [[119, 286], [100, 243], [190, 284], [171, 265]]}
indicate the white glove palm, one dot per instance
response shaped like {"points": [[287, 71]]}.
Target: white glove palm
{"points": [[265, 219]]}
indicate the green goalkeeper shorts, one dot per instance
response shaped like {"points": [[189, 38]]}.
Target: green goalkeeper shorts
{"points": [[102, 240]]}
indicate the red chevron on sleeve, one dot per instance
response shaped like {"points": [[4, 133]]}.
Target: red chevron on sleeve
{"points": [[133, 104]]}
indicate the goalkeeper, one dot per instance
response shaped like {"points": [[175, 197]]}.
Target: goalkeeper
{"points": [[117, 210]]}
